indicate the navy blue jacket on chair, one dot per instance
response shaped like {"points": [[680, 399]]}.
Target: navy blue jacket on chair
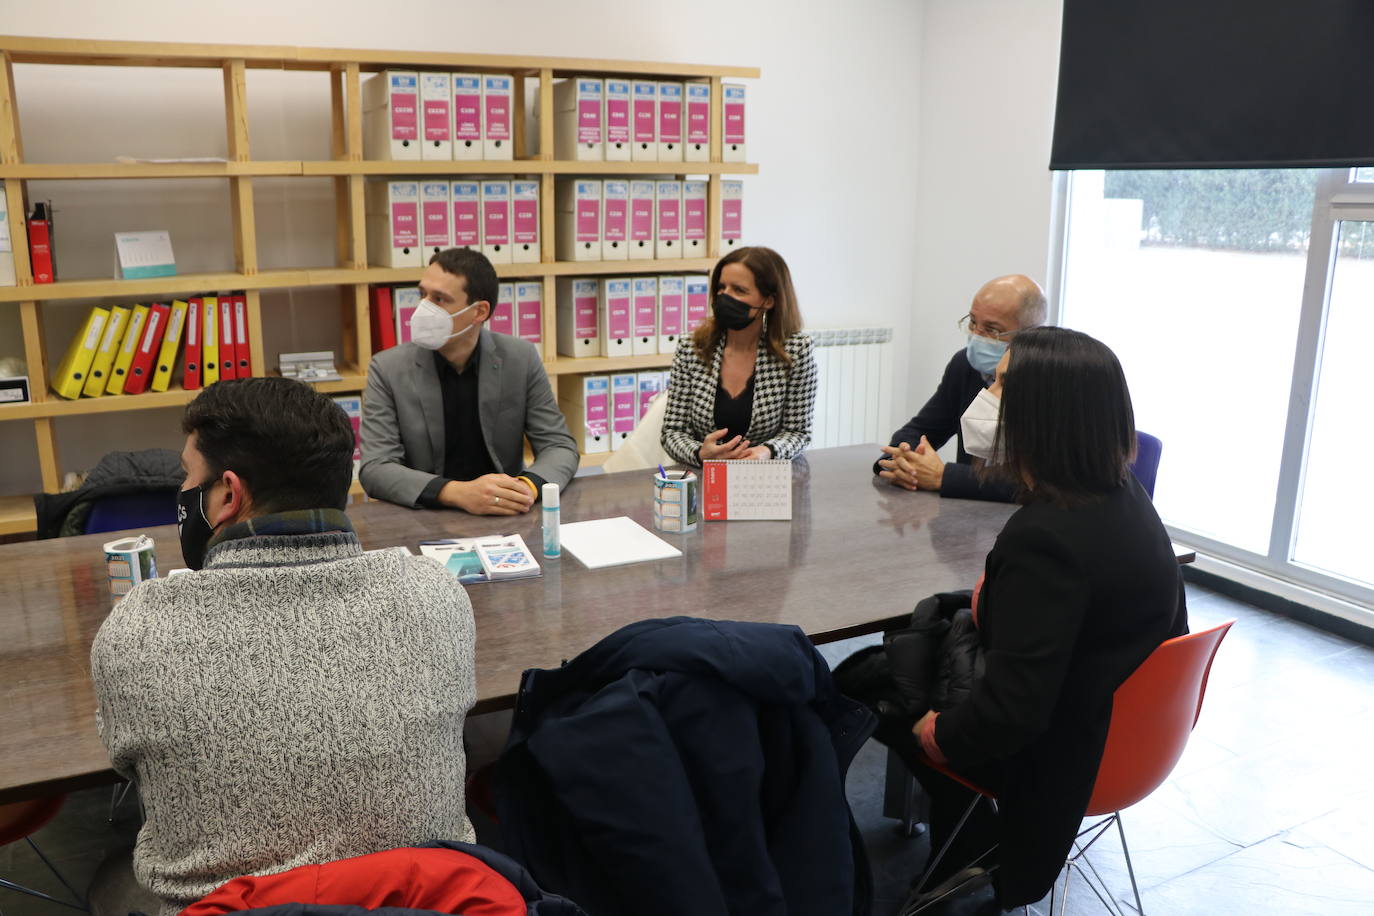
{"points": [[687, 767]]}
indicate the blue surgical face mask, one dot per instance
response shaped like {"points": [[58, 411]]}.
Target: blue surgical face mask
{"points": [[984, 353]]}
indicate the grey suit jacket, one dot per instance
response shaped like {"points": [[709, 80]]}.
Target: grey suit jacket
{"points": [[403, 418]]}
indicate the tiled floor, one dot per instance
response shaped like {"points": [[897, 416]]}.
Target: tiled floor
{"points": [[1269, 812]]}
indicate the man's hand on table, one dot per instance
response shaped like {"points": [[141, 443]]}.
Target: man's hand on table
{"points": [[490, 494]]}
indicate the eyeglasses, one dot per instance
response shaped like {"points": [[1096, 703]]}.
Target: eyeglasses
{"points": [[969, 326]]}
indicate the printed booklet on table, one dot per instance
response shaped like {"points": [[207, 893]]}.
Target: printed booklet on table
{"points": [[483, 559]]}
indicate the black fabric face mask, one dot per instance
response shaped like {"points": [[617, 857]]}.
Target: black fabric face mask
{"points": [[732, 314], [193, 528]]}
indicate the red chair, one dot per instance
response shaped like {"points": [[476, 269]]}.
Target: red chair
{"points": [[1153, 713], [19, 821]]}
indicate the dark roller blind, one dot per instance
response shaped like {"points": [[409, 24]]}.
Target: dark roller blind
{"points": [[1215, 84]]}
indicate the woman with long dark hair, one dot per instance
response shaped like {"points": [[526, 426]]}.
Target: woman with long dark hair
{"points": [[743, 384], [1081, 586]]}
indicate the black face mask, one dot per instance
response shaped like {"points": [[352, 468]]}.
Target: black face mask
{"points": [[732, 314], [193, 528]]}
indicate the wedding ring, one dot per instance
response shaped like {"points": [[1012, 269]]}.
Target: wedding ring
{"points": [[496, 500]]}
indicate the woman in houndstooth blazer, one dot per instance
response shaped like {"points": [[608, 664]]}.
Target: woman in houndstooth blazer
{"points": [[743, 384]]}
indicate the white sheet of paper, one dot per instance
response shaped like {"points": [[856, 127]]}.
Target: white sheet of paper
{"points": [[614, 542]]}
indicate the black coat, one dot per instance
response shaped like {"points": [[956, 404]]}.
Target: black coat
{"points": [[687, 767], [117, 473], [1074, 600], [929, 664]]}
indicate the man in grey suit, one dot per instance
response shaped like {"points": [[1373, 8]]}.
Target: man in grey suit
{"points": [[445, 416]]}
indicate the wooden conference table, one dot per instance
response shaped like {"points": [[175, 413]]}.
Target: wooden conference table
{"points": [[855, 558]]}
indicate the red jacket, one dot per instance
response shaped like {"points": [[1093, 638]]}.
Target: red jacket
{"points": [[456, 878]]}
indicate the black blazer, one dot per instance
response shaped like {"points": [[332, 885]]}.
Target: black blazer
{"points": [[1073, 601], [784, 399]]}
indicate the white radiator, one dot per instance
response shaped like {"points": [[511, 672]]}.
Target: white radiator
{"points": [[854, 398]]}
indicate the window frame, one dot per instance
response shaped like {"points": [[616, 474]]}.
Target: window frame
{"points": [[1337, 198]]}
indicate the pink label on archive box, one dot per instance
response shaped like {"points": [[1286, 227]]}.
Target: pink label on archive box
{"points": [[465, 223], [467, 108], [436, 223], [698, 115], [642, 219], [733, 105], [588, 219], [584, 315], [525, 220], [596, 395], [669, 213], [694, 217], [646, 308], [647, 390], [588, 121], [436, 119], [698, 302], [529, 319], [618, 322], [617, 120], [403, 313], [503, 317], [498, 110], [404, 121], [404, 228], [495, 224], [669, 116], [644, 104], [624, 411], [617, 215], [597, 411], [670, 311], [731, 219]]}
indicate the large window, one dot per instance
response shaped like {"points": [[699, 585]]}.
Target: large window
{"points": [[1238, 303], [1336, 509]]}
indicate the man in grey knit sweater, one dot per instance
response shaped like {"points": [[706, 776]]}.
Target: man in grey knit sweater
{"points": [[296, 700]]}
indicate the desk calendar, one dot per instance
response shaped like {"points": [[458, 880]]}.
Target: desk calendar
{"points": [[747, 490]]}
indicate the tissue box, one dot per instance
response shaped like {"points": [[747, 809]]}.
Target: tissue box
{"points": [[14, 390]]}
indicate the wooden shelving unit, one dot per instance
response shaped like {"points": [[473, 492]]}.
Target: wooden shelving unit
{"points": [[351, 274], [327, 168], [17, 515]]}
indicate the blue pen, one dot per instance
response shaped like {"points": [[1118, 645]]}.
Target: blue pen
{"points": [[662, 473]]}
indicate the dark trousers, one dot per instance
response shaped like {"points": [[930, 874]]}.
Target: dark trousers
{"points": [[976, 842]]}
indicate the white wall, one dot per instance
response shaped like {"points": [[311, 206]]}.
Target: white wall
{"points": [[988, 74], [829, 72]]}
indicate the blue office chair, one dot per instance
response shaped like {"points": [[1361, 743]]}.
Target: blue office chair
{"points": [[1146, 466], [145, 509]]}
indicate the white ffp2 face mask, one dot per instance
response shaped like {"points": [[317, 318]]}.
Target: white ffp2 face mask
{"points": [[979, 426], [431, 327]]}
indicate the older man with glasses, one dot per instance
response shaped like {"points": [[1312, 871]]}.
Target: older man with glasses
{"points": [[1000, 308]]}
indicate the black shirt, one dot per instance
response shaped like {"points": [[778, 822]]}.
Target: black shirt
{"points": [[733, 414], [465, 449]]}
